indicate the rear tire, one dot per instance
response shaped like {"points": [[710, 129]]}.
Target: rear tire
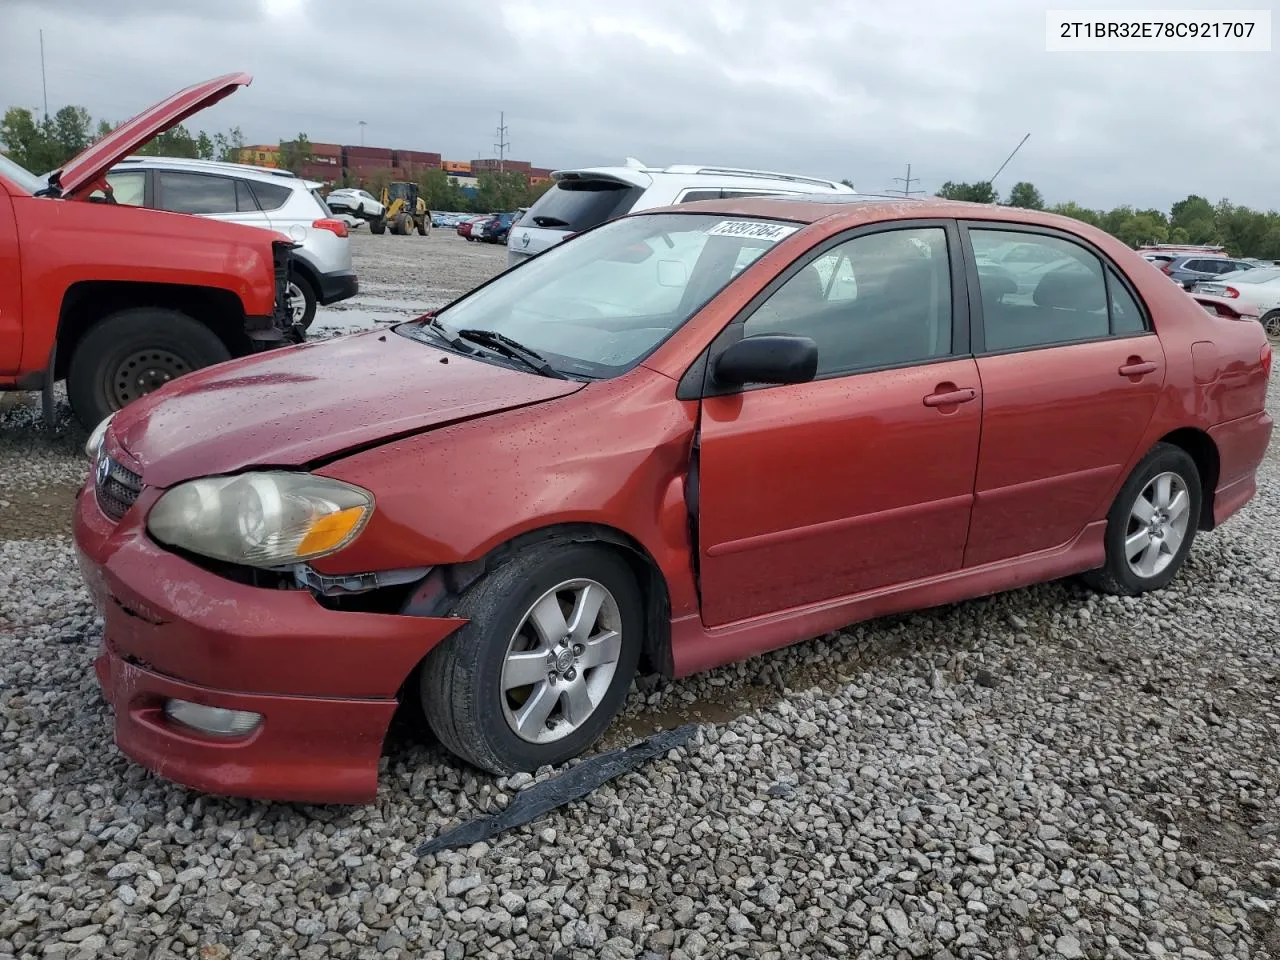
{"points": [[131, 353], [423, 227], [1152, 524], [478, 717], [309, 301]]}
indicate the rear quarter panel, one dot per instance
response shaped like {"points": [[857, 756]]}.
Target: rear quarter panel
{"points": [[65, 242]]}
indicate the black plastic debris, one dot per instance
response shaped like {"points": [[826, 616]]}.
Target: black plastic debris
{"points": [[573, 784]]}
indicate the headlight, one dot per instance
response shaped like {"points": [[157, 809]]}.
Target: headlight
{"points": [[261, 519], [94, 443]]}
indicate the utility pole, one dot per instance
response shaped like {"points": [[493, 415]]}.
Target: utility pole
{"points": [[503, 142], [44, 86], [362, 126], [906, 182]]}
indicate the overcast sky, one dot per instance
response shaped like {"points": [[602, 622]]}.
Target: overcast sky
{"points": [[833, 88]]}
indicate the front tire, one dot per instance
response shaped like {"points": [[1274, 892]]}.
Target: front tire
{"points": [[1152, 524], [543, 664], [131, 353], [377, 225]]}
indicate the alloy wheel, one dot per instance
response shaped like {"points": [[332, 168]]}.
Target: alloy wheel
{"points": [[561, 660], [1157, 526]]}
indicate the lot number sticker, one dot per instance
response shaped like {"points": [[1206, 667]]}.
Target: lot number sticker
{"points": [[752, 230]]}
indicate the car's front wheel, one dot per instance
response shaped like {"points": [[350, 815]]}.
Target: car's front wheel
{"points": [[543, 663], [1151, 525]]}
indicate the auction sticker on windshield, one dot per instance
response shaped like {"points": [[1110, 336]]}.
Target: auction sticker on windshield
{"points": [[752, 230]]}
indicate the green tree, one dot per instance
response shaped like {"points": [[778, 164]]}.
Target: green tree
{"points": [[1025, 195], [295, 154], [1077, 212], [227, 146], [72, 126], [1194, 216], [177, 142], [980, 192], [204, 146], [29, 143], [441, 191]]}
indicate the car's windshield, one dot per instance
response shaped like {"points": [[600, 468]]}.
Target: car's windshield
{"points": [[1256, 275], [598, 304], [24, 178]]}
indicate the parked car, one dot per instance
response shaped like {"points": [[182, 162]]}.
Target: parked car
{"points": [[497, 228], [1256, 292], [354, 200], [1189, 270], [465, 226], [275, 200], [475, 229], [118, 300], [647, 449], [581, 199]]}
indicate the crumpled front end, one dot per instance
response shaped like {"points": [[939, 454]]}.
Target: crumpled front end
{"points": [[277, 329]]}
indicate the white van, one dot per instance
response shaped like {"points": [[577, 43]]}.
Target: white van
{"points": [[581, 199]]}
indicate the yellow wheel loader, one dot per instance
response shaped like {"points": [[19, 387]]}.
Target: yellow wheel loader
{"points": [[403, 210]]}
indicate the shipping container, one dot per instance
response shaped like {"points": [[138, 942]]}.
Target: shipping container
{"points": [[372, 153], [456, 166], [404, 157], [326, 149]]}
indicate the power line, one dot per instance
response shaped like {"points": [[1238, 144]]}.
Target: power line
{"points": [[503, 142], [906, 182], [44, 86]]}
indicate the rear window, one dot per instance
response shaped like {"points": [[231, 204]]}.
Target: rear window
{"points": [[271, 196], [577, 205]]}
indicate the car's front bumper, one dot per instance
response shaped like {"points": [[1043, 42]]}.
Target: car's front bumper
{"points": [[324, 681]]}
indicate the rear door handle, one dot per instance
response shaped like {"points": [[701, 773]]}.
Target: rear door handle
{"points": [[1136, 367], [947, 398]]}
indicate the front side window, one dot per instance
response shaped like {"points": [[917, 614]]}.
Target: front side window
{"points": [[882, 299], [194, 192], [598, 304], [1065, 298]]}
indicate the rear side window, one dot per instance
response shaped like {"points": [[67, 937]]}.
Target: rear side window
{"points": [[271, 196], [244, 198], [194, 192], [1125, 315], [577, 205]]}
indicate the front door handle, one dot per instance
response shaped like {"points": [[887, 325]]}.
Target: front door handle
{"points": [[1137, 367], [947, 395]]}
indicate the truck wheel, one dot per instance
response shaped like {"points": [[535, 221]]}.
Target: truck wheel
{"points": [[131, 353], [423, 227], [378, 225], [406, 225], [302, 301]]}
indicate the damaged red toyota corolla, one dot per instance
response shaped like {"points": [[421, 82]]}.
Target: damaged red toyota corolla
{"points": [[680, 439]]}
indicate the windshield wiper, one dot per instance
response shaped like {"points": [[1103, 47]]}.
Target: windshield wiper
{"points": [[550, 222], [438, 328], [504, 345]]}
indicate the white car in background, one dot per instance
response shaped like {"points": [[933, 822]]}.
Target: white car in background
{"points": [[264, 197], [362, 203], [1255, 291], [581, 199]]}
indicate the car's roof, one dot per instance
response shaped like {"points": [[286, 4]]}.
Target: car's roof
{"points": [[215, 166], [855, 209]]}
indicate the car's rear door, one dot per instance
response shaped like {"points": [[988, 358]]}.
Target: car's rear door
{"points": [[1071, 375], [205, 194], [863, 477]]}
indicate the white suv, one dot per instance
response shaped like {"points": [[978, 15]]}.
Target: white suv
{"points": [[258, 197], [581, 199]]}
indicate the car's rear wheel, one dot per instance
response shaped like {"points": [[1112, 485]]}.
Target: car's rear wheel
{"points": [[302, 301], [544, 662], [131, 353], [1152, 524], [1271, 324]]}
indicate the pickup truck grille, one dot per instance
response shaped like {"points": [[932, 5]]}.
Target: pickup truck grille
{"points": [[117, 487]]}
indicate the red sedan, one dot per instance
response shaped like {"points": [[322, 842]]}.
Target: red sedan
{"points": [[682, 438]]}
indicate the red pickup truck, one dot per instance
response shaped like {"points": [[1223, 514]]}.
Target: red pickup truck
{"points": [[118, 300]]}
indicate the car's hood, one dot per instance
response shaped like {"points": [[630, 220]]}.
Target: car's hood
{"points": [[296, 405], [81, 172]]}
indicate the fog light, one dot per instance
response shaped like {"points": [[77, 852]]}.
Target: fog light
{"points": [[216, 720]]}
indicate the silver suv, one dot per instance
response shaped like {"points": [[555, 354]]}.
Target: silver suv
{"points": [[581, 199], [258, 197]]}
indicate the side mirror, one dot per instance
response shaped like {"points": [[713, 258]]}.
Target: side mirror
{"points": [[768, 358]]}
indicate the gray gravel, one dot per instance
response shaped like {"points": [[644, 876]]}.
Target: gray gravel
{"points": [[1044, 773]]}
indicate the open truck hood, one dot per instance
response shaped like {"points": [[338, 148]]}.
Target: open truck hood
{"points": [[297, 405], [79, 174]]}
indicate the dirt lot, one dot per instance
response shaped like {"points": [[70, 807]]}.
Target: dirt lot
{"points": [[1044, 773]]}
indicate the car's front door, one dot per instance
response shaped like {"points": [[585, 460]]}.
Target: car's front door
{"points": [[863, 477], [1071, 374], [10, 289]]}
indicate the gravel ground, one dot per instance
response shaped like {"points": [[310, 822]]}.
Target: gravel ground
{"points": [[1044, 773]]}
